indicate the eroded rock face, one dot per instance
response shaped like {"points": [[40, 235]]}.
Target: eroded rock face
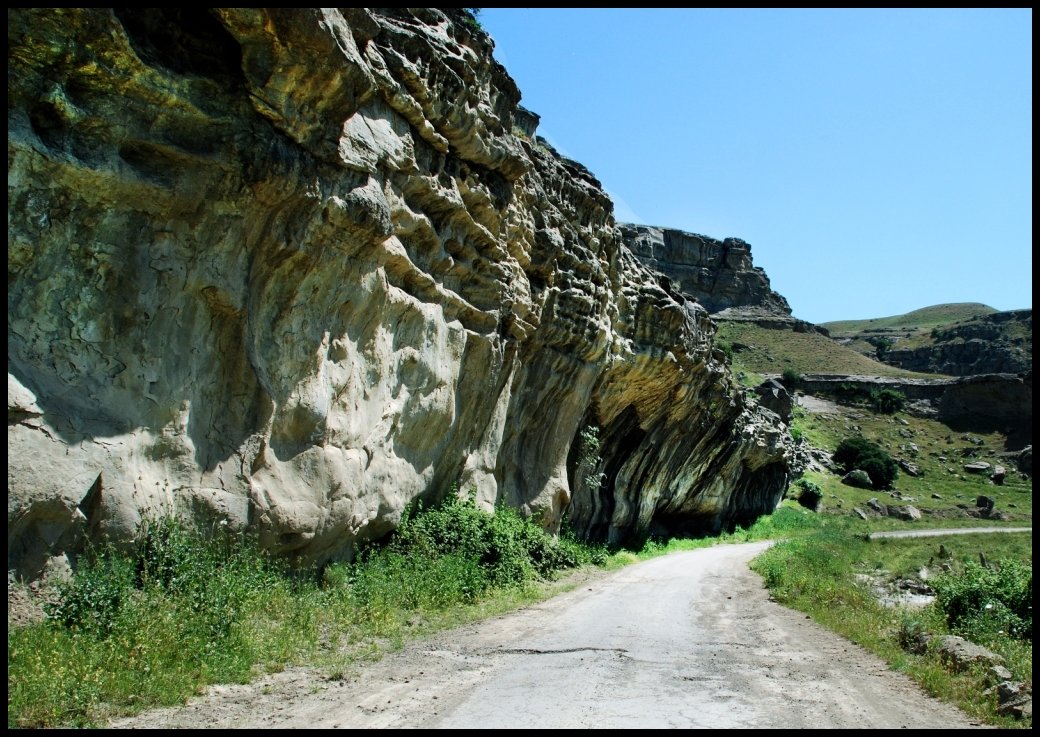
{"points": [[720, 275], [994, 343], [290, 270]]}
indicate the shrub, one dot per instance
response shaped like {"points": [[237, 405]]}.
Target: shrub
{"points": [[982, 603], [810, 486], [507, 548], [887, 401], [791, 379], [858, 452]]}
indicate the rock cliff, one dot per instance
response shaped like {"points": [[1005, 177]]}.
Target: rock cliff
{"points": [[718, 275], [994, 343], [292, 270]]}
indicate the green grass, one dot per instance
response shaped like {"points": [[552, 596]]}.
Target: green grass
{"points": [[943, 492], [925, 318], [817, 574], [154, 625], [771, 351]]}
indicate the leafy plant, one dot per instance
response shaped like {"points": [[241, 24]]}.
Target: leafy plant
{"points": [[858, 452], [588, 456], [887, 401], [471, 18], [791, 379], [985, 602], [807, 485]]}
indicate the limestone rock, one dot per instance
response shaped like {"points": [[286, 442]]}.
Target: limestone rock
{"points": [[906, 512], [774, 396], [962, 654], [290, 270], [717, 274], [858, 478]]}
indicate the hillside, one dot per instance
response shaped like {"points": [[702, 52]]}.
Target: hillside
{"points": [[954, 339], [924, 318], [761, 350]]}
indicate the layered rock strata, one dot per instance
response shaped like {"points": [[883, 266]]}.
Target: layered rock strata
{"points": [[719, 275], [995, 343], [291, 271]]}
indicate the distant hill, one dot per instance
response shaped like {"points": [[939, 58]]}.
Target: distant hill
{"points": [[926, 318], [954, 339]]}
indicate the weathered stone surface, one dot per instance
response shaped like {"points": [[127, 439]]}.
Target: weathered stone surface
{"points": [[994, 343], [774, 396], [911, 469], [905, 512], [717, 274], [877, 506], [984, 403], [977, 467], [292, 270], [961, 653], [858, 478]]}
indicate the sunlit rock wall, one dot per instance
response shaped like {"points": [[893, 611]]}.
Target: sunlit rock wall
{"points": [[292, 270]]}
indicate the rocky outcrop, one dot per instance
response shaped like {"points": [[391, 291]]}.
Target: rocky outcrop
{"points": [[995, 343], [985, 403], [717, 274], [291, 270]]}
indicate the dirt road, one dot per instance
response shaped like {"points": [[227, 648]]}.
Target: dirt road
{"points": [[683, 641]]}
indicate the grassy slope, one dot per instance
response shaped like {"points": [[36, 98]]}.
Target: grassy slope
{"points": [[800, 574], [943, 485], [925, 318], [773, 351]]}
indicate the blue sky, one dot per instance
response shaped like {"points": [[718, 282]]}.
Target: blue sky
{"points": [[877, 161]]}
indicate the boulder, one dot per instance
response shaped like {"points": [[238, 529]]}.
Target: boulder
{"points": [[962, 654], [774, 396], [905, 512], [857, 478]]}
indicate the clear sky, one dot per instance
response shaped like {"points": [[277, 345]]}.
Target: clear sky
{"points": [[877, 161]]}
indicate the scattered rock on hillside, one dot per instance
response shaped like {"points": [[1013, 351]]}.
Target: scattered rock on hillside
{"points": [[857, 478], [962, 654], [904, 512]]}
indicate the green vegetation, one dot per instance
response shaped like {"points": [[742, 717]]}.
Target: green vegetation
{"points": [[887, 401], [986, 603], [588, 456], [472, 18], [791, 379], [922, 319], [762, 350], [943, 491], [826, 574], [858, 452], [808, 485], [155, 624]]}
